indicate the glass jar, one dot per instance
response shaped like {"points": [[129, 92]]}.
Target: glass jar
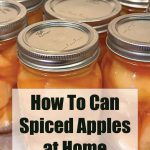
{"points": [[127, 63], [34, 10], [134, 6], [59, 54], [95, 13], [12, 21]]}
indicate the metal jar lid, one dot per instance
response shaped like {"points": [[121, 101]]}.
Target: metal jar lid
{"points": [[12, 19], [129, 36], [135, 3], [97, 13], [57, 46], [31, 5]]}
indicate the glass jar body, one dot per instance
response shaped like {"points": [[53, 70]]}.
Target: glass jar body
{"points": [[9, 66], [88, 77], [119, 72], [122, 73], [35, 16]]}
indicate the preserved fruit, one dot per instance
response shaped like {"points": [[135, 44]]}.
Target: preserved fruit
{"points": [[127, 63]]}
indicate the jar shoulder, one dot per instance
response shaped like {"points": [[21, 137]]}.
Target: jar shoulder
{"points": [[75, 79]]}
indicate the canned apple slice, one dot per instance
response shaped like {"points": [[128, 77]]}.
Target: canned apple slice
{"points": [[145, 132], [5, 93], [9, 51], [28, 80], [6, 118], [67, 81]]}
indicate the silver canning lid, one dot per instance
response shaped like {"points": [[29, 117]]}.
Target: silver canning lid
{"points": [[12, 19], [97, 13], [135, 3], [58, 46], [31, 5], [129, 36]]}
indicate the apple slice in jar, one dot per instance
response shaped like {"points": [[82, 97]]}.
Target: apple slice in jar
{"points": [[76, 80], [144, 92], [10, 52], [6, 118], [11, 80], [7, 67], [145, 133], [122, 77], [4, 62], [5, 93], [28, 80]]}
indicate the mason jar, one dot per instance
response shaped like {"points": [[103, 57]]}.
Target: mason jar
{"points": [[34, 10], [95, 13], [12, 21], [59, 54], [127, 62]]}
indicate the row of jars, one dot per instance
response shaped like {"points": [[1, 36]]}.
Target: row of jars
{"points": [[102, 10], [62, 54]]}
